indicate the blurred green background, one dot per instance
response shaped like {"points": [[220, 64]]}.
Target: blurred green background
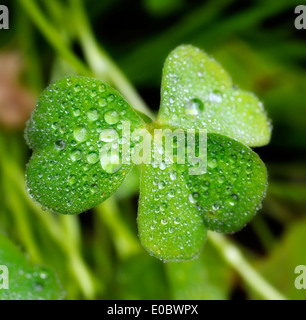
{"points": [[97, 255]]}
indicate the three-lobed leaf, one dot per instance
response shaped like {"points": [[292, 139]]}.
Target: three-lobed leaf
{"points": [[198, 93], [75, 118], [175, 213]]}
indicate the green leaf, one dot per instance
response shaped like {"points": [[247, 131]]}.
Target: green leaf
{"points": [[26, 282], [170, 227], [231, 191], [176, 211], [69, 130], [198, 93]]}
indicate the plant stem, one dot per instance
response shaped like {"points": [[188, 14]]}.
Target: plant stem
{"points": [[101, 63], [235, 259], [52, 35], [125, 243], [22, 225]]}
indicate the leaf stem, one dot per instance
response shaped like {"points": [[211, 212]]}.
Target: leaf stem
{"points": [[52, 35], [126, 244], [101, 63], [233, 256]]}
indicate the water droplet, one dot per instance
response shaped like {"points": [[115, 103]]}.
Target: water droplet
{"points": [[194, 106], [77, 88], [177, 220], [102, 102], [193, 197], [164, 221], [212, 163], [43, 275], [215, 206], [77, 112], [171, 99], [76, 155], [60, 144], [109, 135], [110, 163], [55, 125], [171, 193], [93, 188], [173, 175], [163, 207], [161, 185], [111, 117], [162, 165], [80, 134], [215, 96], [93, 114], [92, 157], [102, 88], [233, 199], [72, 180]]}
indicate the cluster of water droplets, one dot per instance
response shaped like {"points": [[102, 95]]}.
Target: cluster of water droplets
{"points": [[86, 116], [197, 93]]}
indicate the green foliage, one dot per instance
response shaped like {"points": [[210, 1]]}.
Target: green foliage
{"points": [[73, 119], [76, 116], [198, 93], [98, 255], [170, 227], [231, 191], [27, 282]]}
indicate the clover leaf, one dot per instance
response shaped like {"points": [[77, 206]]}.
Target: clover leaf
{"points": [[78, 122], [175, 213], [198, 93], [76, 118], [24, 281]]}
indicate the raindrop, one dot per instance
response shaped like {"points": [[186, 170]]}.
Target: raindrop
{"points": [[164, 221], [72, 180], [75, 155], [92, 157], [108, 135], [93, 114], [102, 102], [111, 117], [194, 106], [215, 206], [212, 163], [76, 112], [193, 197], [77, 88], [173, 175], [60, 144], [80, 134]]}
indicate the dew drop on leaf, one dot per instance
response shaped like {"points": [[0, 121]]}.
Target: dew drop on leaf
{"points": [[60, 144], [92, 157], [194, 107], [76, 155], [111, 117], [80, 134]]}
